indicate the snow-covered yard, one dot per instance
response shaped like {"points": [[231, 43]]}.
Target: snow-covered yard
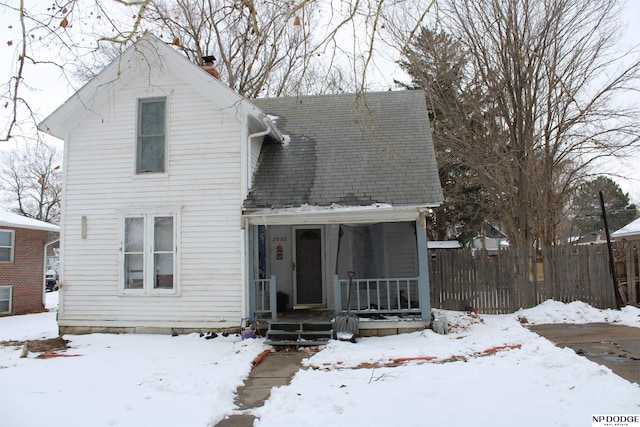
{"points": [[488, 371]]}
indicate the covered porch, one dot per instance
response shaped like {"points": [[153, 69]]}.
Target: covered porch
{"points": [[300, 264]]}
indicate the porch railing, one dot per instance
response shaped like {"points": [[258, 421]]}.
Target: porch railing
{"points": [[265, 301], [378, 296]]}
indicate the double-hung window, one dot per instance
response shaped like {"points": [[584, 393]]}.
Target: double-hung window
{"points": [[151, 136], [149, 251], [7, 242]]}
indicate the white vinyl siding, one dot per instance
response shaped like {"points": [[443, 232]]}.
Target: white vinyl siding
{"points": [[7, 243], [202, 182]]}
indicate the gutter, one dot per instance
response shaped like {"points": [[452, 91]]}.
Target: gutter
{"points": [[271, 129]]}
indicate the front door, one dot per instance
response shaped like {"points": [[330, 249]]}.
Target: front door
{"points": [[308, 292]]}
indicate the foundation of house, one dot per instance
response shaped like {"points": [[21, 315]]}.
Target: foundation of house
{"points": [[381, 328], [367, 327]]}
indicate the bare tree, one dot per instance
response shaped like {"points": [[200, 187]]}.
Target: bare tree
{"points": [[30, 181], [37, 38], [529, 103], [263, 48], [439, 64], [279, 47]]}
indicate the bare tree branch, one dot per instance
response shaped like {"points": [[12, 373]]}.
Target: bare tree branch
{"points": [[530, 102], [30, 181]]}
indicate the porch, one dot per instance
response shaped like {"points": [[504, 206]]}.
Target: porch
{"points": [[300, 268], [384, 306]]}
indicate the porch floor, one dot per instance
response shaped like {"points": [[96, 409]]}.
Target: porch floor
{"points": [[305, 316], [314, 315]]}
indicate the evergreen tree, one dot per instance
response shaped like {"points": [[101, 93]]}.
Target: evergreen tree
{"points": [[586, 210]]}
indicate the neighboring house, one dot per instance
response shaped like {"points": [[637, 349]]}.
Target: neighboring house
{"points": [[24, 245], [630, 231], [593, 238], [186, 207], [490, 239]]}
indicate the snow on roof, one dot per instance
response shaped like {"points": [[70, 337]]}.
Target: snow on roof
{"points": [[444, 244], [631, 229], [8, 219]]}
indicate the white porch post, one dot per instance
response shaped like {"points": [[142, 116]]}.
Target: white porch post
{"points": [[251, 232], [337, 295], [424, 294]]}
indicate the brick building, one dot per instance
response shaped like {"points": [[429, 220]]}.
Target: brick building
{"points": [[24, 242]]}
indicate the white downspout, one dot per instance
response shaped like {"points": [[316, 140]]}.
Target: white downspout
{"points": [[248, 157], [244, 228]]}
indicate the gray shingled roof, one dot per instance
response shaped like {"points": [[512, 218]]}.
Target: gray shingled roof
{"points": [[347, 150]]}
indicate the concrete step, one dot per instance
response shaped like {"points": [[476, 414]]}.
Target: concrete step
{"points": [[297, 343], [299, 334]]}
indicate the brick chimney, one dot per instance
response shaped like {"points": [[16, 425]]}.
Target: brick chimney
{"points": [[209, 67]]}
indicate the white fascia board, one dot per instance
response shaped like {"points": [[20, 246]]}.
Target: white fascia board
{"points": [[74, 109], [154, 51], [334, 215], [95, 92]]}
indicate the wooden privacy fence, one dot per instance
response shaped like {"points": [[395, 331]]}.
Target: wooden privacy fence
{"points": [[627, 262], [513, 279]]}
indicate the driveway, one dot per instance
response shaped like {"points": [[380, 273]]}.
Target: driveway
{"points": [[614, 346]]}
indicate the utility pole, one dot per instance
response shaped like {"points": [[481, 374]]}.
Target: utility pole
{"points": [[612, 265]]}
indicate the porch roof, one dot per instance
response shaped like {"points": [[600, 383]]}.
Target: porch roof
{"points": [[334, 214], [347, 150]]}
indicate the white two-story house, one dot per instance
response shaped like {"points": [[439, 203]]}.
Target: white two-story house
{"points": [[187, 207]]}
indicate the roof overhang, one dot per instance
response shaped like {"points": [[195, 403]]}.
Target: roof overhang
{"points": [[259, 121], [630, 230], [334, 214], [17, 221], [145, 57]]}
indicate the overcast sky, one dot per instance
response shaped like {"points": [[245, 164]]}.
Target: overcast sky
{"points": [[50, 90], [629, 169]]}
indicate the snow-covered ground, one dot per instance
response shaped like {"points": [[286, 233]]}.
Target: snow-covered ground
{"points": [[488, 371]]}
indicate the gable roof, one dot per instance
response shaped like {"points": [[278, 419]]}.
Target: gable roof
{"points": [[149, 56], [8, 219], [347, 150]]}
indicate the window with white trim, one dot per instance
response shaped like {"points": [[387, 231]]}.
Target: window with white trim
{"points": [[5, 299], [151, 136], [149, 253], [7, 243]]}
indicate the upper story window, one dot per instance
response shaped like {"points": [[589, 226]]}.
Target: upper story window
{"points": [[151, 136], [7, 242]]}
